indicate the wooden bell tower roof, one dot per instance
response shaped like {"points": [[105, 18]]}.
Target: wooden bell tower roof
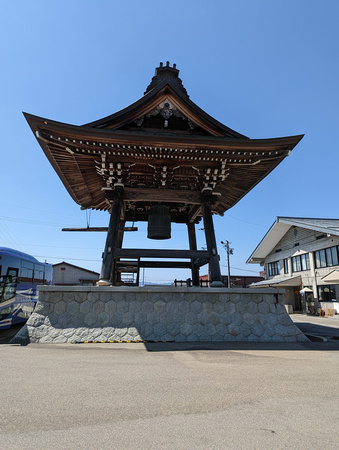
{"points": [[162, 149]]}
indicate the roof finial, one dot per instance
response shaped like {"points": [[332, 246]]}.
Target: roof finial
{"points": [[166, 72]]}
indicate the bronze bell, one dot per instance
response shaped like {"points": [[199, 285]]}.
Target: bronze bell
{"points": [[159, 223]]}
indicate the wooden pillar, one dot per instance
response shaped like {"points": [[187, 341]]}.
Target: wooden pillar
{"points": [[116, 276], [112, 239], [214, 266], [193, 246]]}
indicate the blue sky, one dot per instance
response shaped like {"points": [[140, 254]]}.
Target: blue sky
{"points": [[265, 68]]}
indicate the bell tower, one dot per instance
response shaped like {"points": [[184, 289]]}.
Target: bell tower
{"points": [[160, 160]]}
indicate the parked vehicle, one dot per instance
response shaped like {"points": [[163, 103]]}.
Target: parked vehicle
{"points": [[20, 274]]}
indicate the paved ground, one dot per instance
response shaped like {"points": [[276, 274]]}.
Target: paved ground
{"points": [[6, 335], [314, 326], [171, 396]]}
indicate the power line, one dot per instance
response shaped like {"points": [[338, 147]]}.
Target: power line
{"points": [[58, 246], [34, 222], [38, 210], [244, 270], [63, 258], [12, 241], [246, 221]]}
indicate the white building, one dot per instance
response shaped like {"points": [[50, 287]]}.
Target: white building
{"points": [[66, 274], [301, 255]]}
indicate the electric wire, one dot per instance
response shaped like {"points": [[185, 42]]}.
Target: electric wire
{"points": [[11, 241]]}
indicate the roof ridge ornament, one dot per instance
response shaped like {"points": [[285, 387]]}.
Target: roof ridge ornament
{"points": [[166, 73]]}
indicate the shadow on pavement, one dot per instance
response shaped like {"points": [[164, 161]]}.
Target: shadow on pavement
{"points": [[321, 338], [9, 333], [237, 346], [312, 329]]}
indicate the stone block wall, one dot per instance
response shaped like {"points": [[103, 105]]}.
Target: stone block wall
{"points": [[164, 313]]}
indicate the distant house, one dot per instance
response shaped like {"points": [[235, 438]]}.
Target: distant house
{"points": [[301, 255], [66, 274], [241, 281]]}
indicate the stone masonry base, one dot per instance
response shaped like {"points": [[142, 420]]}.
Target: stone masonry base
{"points": [[162, 313]]}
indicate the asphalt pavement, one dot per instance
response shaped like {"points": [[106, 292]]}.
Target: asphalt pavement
{"points": [[172, 396], [325, 328]]}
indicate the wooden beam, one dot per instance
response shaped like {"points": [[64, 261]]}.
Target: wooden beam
{"points": [[142, 216], [162, 195], [200, 262], [194, 212], [166, 264], [105, 229], [162, 264], [86, 229], [159, 253]]}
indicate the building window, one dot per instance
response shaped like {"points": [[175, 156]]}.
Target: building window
{"points": [[305, 261], [286, 266], [320, 258], [301, 262], [327, 293], [332, 256], [296, 264], [273, 268], [327, 257]]}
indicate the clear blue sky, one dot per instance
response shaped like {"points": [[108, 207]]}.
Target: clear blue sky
{"points": [[265, 68]]}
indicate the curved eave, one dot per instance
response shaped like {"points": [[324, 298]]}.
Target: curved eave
{"points": [[36, 123], [161, 139], [58, 141], [231, 195], [149, 100]]}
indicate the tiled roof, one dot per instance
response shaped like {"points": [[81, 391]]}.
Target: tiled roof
{"points": [[331, 225], [282, 225]]}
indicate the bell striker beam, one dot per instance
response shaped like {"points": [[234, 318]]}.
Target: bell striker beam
{"points": [[214, 266], [112, 239]]}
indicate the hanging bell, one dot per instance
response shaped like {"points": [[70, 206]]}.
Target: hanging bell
{"points": [[159, 223]]}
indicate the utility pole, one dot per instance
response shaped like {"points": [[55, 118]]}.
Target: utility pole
{"points": [[229, 252]]}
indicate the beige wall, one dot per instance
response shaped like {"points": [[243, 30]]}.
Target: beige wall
{"points": [[66, 274], [298, 241]]}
